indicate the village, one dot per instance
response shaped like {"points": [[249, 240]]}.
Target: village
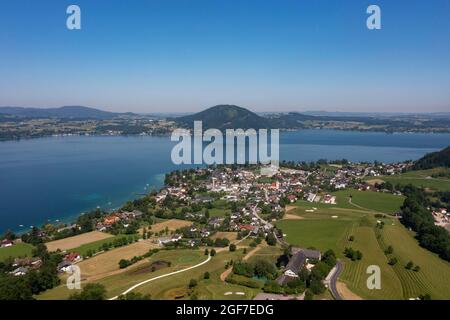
{"points": [[253, 203], [202, 208]]}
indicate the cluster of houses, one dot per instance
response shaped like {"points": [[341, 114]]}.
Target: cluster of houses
{"points": [[6, 243], [24, 265], [176, 192], [441, 218], [69, 259], [123, 217]]}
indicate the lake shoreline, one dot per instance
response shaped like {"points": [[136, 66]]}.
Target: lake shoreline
{"points": [[60, 177]]}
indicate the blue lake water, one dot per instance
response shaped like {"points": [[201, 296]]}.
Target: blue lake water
{"points": [[60, 177]]}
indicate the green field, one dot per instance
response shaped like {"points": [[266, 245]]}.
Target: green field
{"points": [[420, 178], [96, 245], [321, 234], [319, 230], [375, 201], [218, 212], [16, 251]]}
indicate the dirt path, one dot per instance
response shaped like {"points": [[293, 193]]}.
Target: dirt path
{"points": [[346, 293], [289, 208], [288, 216], [227, 272]]}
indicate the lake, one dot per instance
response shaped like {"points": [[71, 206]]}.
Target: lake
{"points": [[57, 178]]}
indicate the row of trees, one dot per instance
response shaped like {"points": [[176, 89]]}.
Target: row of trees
{"points": [[416, 216]]}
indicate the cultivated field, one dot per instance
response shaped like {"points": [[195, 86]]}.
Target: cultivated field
{"points": [[103, 264], [172, 225], [16, 251], [76, 241], [228, 235]]}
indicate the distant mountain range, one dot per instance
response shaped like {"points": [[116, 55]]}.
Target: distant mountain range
{"points": [[234, 117], [66, 112]]}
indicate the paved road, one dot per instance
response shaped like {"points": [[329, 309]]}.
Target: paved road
{"points": [[162, 276], [333, 280]]}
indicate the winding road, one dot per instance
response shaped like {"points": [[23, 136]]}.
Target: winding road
{"points": [[333, 281], [161, 276]]}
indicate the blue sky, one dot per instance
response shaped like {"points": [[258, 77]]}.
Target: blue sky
{"points": [[186, 55]]}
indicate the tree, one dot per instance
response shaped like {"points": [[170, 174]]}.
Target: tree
{"points": [[409, 265], [14, 288], [206, 252], [192, 283], [144, 233], [123, 263], [264, 268], [134, 296], [309, 295], [316, 286], [92, 291], [243, 268], [41, 251], [393, 261], [213, 252], [425, 297], [206, 275], [9, 235], [271, 240], [351, 238], [232, 247], [389, 250], [416, 269]]}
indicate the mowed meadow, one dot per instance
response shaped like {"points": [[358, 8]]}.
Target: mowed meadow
{"points": [[325, 226], [432, 179]]}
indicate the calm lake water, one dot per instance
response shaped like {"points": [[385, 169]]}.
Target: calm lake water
{"points": [[58, 178]]}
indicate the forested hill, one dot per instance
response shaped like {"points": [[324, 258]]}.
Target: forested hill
{"points": [[434, 160], [226, 117]]}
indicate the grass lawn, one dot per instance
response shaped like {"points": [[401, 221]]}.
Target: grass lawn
{"points": [[16, 251], [421, 178], [322, 234], [375, 201], [218, 212]]}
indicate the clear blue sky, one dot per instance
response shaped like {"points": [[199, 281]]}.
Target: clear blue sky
{"points": [[186, 55]]}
